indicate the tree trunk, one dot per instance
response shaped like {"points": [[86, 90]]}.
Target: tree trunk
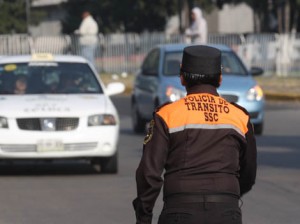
{"points": [[279, 17], [257, 27], [287, 9], [185, 14], [283, 14], [295, 13]]}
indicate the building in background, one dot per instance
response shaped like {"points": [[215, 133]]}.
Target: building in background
{"points": [[228, 19], [225, 20], [53, 15]]}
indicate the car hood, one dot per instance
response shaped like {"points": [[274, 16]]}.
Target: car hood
{"points": [[54, 105], [234, 83], [173, 81]]}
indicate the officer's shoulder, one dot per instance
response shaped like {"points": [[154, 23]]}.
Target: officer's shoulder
{"points": [[240, 107], [162, 106]]}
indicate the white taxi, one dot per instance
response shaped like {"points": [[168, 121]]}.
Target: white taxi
{"points": [[55, 107]]}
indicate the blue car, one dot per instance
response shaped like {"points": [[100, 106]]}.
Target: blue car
{"points": [[157, 82]]}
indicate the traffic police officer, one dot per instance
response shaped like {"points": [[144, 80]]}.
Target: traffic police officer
{"points": [[205, 145]]}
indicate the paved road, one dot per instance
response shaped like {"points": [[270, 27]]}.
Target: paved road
{"points": [[276, 196], [70, 192]]}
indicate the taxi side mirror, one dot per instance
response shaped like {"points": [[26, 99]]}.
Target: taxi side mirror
{"points": [[115, 88]]}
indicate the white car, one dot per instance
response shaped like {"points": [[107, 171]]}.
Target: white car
{"points": [[56, 107]]}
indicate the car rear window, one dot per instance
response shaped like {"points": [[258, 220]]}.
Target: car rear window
{"points": [[48, 78], [172, 63], [231, 64]]}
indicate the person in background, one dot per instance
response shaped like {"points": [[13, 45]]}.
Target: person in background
{"points": [[197, 32], [88, 38], [67, 83], [20, 85], [204, 145]]}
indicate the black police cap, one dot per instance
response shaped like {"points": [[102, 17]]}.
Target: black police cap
{"points": [[201, 62]]}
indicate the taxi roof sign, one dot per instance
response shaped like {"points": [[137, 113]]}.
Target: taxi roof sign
{"points": [[42, 57]]}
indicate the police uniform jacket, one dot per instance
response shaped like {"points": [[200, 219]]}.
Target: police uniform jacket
{"points": [[205, 145]]}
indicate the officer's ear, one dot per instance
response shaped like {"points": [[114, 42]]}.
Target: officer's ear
{"points": [[182, 80], [220, 79]]}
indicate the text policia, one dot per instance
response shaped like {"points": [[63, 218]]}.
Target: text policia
{"points": [[210, 105]]}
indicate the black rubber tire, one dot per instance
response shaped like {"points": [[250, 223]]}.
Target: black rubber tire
{"points": [[110, 164], [138, 123], [106, 164], [258, 129]]}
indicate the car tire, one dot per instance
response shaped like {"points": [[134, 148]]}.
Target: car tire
{"points": [[258, 129], [106, 164], [138, 123], [110, 164]]}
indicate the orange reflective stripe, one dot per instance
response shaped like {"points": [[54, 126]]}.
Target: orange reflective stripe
{"points": [[204, 111]]}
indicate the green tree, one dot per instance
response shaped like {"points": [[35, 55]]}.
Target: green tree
{"points": [[125, 15], [13, 16], [142, 15], [296, 15], [272, 15], [206, 5]]}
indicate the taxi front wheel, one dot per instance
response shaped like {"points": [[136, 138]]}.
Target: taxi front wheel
{"points": [[106, 164]]}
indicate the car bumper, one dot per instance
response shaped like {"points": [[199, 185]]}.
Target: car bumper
{"points": [[92, 142], [255, 110]]}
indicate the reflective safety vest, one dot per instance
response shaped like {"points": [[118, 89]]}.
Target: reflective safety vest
{"points": [[204, 111], [203, 143], [207, 136]]}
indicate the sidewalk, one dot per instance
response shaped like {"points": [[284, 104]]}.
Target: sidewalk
{"points": [[276, 88]]}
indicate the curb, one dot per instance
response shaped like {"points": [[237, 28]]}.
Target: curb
{"points": [[282, 96], [268, 95]]}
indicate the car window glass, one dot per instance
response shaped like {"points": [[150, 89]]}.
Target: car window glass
{"points": [[172, 63], [230, 64], [151, 63], [47, 78]]}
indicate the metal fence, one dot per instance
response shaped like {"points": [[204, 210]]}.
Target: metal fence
{"points": [[276, 54]]}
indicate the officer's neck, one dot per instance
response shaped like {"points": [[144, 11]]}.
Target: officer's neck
{"points": [[202, 88]]}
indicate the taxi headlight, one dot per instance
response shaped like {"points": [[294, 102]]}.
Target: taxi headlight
{"points": [[101, 119], [255, 93], [174, 94], [3, 122]]}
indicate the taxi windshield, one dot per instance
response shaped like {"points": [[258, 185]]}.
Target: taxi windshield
{"points": [[48, 78]]}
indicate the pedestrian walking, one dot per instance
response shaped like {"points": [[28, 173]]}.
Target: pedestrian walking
{"points": [[88, 38], [197, 32], [204, 145]]}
